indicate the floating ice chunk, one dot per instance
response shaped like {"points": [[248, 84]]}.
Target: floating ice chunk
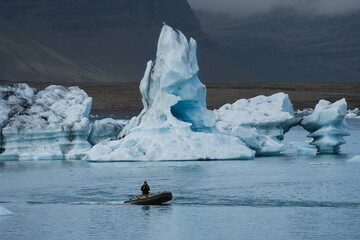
{"points": [[306, 152], [303, 148], [46, 125], [327, 126], [352, 113], [93, 116], [355, 159], [305, 111], [322, 163], [260, 122], [175, 123], [105, 130], [5, 212]]}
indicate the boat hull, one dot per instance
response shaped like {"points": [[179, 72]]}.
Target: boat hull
{"points": [[152, 199]]}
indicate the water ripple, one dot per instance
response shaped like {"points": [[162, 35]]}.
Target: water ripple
{"points": [[266, 203]]}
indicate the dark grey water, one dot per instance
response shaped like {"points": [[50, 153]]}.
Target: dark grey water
{"points": [[284, 197]]}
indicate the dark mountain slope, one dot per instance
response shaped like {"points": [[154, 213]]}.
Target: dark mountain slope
{"points": [[25, 59], [107, 40], [286, 46]]}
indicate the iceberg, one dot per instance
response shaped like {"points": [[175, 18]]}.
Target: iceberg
{"points": [[303, 148], [355, 159], [105, 130], [5, 212], [50, 124], [260, 122], [352, 113], [174, 123], [327, 126], [305, 111]]}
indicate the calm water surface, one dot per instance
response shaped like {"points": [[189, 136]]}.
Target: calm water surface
{"points": [[284, 197]]}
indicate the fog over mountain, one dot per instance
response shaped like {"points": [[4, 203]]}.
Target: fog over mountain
{"points": [[288, 40], [251, 7], [108, 40], [238, 40]]}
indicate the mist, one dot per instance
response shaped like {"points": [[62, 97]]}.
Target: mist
{"points": [[252, 7]]}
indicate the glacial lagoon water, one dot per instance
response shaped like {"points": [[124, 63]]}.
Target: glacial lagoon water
{"points": [[283, 197]]}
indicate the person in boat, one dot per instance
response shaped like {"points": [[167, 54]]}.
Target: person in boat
{"points": [[145, 189]]}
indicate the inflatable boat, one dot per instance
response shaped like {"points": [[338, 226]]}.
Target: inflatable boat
{"points": [[151, 199]]}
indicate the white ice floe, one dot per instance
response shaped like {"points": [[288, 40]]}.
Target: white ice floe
{"points": [[327, 126], [260, 122], [105, 130], [175, 123], [93, 115], [5, 212], [352, 113], [44, 125], [303, 148], [355, 159], [322, 163], [305, 111]]}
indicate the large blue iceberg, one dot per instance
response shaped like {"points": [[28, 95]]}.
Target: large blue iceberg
{"points": [[50, 124], [175, 123]]}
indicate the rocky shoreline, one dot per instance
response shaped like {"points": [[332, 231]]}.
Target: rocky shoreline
{"points": [[125, 97]]}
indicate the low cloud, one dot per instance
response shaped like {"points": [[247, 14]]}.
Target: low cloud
{"points": [[251, 7]]}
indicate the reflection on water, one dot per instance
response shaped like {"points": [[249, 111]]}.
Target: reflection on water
{"points": [[156, 209], [146, 208]]}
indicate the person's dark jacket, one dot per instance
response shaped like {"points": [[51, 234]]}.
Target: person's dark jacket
{"points": [[145, 189]]}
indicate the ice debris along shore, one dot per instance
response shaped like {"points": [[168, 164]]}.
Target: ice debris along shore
{"points": [[49, 124], [327, 126], [175, 123], [5, 212]]}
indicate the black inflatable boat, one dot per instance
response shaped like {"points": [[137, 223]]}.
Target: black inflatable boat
{"points": [[151, 199]]}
